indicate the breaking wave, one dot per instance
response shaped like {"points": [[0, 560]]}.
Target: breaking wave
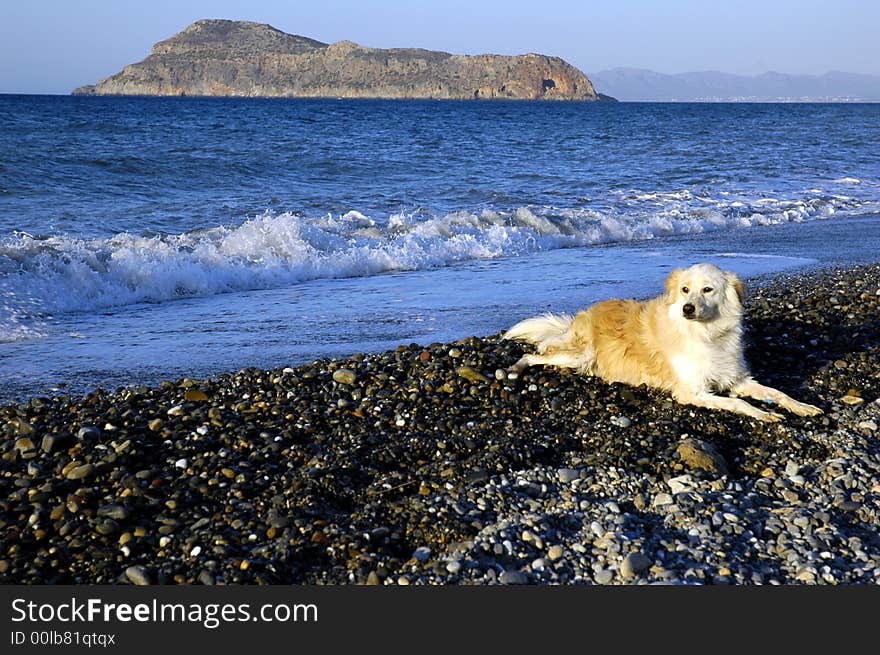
{"points": [[59, 274]]}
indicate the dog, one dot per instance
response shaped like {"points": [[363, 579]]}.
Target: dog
{"points": [[687, 342]]}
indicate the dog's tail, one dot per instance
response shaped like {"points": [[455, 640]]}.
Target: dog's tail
{"points": [[542, 331]]}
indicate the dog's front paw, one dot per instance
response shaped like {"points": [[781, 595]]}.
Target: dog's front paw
{"points": [[803, 409], [770, 417]]}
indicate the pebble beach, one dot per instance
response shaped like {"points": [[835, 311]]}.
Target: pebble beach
{"points": [[426, 465]]}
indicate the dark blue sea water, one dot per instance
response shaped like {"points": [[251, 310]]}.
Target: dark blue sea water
{"points": [[150, 238]]}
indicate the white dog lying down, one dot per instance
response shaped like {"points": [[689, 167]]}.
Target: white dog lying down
{"points": [[688, 342]]}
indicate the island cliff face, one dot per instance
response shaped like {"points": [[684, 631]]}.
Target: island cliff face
{"points": [[237, 58]]}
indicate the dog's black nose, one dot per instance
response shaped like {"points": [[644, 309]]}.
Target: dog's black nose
{"points": [[688, 309]]}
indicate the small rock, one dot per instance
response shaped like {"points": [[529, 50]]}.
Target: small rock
{"points": [[137, 575], [568, 475], [344, 376], [156, 424], [454, 566], [680, 484], [555, 552], [24, 445], [471, 375], [476, 476], [24, 428], [113, 511], [662, 499], [701, 455], [422, 553], [107, 527], [634, 563], [513, 577], [57, 441], [195, 395], [88, 432], [80, 472], [603, 577]]}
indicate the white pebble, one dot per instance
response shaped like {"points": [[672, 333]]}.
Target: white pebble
{"points": [[422, 553], [164, 541], [181, 463], [195, 551]]}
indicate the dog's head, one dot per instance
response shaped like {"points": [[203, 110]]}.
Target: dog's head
{"points": [[704, 293]]}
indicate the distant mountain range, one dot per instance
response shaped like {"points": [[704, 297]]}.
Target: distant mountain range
{"points": [[637, 84]]}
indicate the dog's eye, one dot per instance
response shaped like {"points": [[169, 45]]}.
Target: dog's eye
{"points": [[707, 289], [685, 290]]}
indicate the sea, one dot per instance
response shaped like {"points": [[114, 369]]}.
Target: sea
{"points": [[150, 239]]}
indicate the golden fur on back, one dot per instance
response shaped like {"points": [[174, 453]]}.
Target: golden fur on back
{"points": [[687, 341]]}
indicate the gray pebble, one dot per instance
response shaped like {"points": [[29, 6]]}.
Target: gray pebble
{"points": [[604, 576], [662, 499], [514, 577], [568, 475], [137, 575], [634, 563]]}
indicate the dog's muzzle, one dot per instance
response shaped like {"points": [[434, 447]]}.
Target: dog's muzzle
{"points": [[689, 311]]}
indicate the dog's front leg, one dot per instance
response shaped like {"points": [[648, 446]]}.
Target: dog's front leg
{"points": [[752, 389], [711, 401]]}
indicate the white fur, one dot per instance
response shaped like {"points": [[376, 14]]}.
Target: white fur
{"points": [[542, 330]]}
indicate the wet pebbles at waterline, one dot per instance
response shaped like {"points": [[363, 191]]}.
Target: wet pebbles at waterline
{"points": [[424, 466]]}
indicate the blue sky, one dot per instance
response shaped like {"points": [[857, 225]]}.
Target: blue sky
{"points": [[52, 46]]}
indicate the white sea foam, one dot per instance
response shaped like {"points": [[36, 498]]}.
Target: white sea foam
{"points": [[40, 276], [847, 180]]}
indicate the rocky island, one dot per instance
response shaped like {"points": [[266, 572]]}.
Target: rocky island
{"points": [[245, 59]]}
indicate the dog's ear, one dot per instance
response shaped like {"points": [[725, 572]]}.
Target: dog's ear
{"points": [[672, 285], [738, 287]]}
